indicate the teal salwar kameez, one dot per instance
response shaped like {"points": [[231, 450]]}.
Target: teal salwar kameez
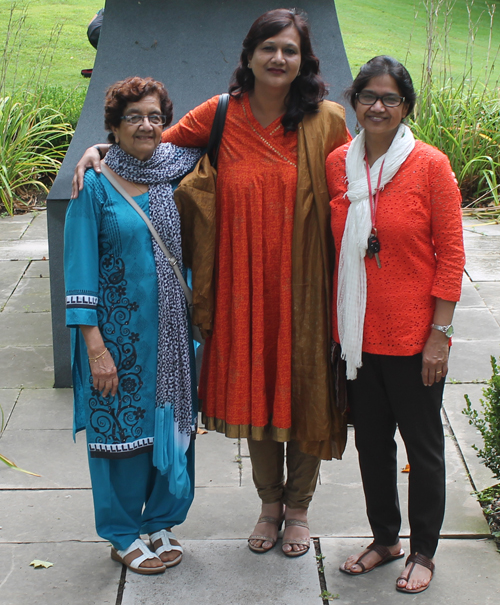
{"points": [[142, 479]]}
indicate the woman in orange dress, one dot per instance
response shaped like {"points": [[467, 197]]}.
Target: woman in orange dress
{"points": [[265, 373]]}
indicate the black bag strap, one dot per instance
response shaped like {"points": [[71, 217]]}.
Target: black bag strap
{"points": [[217, 129]]}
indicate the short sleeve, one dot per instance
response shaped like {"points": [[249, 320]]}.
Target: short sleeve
{"points": [[193, 130]]}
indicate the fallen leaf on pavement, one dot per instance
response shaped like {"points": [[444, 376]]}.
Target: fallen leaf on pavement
{"points": [[37, 564]]}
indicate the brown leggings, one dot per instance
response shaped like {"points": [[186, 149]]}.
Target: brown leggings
{"points": [[268, 458]]}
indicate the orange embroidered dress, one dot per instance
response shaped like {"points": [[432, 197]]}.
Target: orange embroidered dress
{"points": [[246, 375]]}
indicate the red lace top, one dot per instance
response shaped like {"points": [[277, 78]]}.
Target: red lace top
{"points": [[419, 222]]}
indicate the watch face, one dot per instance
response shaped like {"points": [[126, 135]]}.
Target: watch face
{"points": [[449, 332]]}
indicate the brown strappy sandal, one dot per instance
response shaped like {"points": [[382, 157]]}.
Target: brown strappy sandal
{"points": [[381, 550], [416, 559]]}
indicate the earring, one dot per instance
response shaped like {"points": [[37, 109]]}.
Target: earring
{"points": [[249, 66], [357, 128], [299, 73]]}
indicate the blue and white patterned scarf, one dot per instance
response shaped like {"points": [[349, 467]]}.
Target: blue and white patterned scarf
{"points": [[168, 163]]}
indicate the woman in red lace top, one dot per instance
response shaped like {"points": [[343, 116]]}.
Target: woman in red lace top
{"points": [[396, 221]]}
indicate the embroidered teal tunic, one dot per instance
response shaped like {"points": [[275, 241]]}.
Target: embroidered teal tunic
{"points": [[111, 282]]}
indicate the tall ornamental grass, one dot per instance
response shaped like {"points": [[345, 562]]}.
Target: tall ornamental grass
{"points": [[30, 150], [34, 135], [465, 125], [461, 116]]}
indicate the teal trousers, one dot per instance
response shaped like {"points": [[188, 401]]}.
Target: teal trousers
{"points": [[131, 497]]}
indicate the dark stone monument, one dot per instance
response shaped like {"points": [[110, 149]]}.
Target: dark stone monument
{"points": [[192, 46]]}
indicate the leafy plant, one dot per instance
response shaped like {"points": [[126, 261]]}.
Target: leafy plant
{"points": [[68, 102], [488, 424], [464, 124], [460, 115], [326, 595], [30, 149]]}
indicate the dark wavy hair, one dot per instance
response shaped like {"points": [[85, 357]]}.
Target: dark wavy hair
{"points": [[379, 66], [131, 90], [308, 89]]}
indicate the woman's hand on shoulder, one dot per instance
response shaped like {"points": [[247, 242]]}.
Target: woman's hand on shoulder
{"points": [[104, 374], [435, 358], [90, 159]]}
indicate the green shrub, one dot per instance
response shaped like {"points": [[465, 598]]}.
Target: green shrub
{"points": [[68, 102], [31, 150], [464, 125], [459, 115], [489, 423]]}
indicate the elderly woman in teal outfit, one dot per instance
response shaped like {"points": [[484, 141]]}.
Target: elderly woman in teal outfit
{"points": [[131, 341]]}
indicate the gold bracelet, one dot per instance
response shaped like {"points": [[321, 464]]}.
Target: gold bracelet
{"points": [[98, 357]]}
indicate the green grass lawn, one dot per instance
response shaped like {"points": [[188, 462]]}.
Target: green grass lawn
{"points": [[398, 28], [369, 27]]}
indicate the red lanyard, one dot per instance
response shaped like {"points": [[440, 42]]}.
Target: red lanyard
{"points": [[373, 202]]}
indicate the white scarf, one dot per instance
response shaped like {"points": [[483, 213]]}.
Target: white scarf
{"points": [[351, 289]]}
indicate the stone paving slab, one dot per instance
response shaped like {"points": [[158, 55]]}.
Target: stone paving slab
{"points": [[50, 453], [38, 268], [477, 227], [470, 361], [37, 229], [83, 574], [467, 573], [12, 231], [482, 244], [47, 516], [39, 409], [31, 367], [8, 398], [463, 514], [483, 266], [471, 297], [17, 218], [24, 250], [32, 295], [33, 329], [10, 274], [467, 435], [490, 293], [474, 324], [338, 508], [226, 572], [221, 513], [216, 461]]}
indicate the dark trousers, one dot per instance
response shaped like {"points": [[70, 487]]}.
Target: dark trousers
{"points": [[389, 392]]}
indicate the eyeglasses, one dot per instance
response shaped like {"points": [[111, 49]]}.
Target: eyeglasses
{"points": [[154, 119], [369, 98]]}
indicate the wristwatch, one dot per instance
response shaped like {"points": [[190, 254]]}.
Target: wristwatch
{"points": [[448, 330]]}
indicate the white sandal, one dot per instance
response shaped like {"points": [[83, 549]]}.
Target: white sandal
{"points": [[166, 546], [119, 555]]}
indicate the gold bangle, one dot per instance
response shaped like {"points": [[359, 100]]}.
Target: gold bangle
{"points": [[94, 359]]}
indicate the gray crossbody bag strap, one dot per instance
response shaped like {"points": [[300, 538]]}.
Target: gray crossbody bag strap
{"points": [[171, 259]]}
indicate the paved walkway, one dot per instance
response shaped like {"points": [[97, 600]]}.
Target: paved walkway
{"points": [[51, 517]]}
